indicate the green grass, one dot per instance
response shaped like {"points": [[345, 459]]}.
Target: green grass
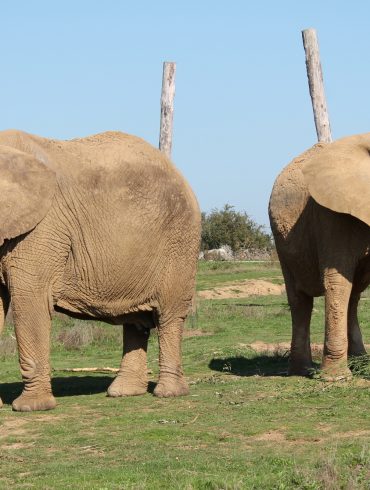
{"points": [[245, 424], [211, 274]]}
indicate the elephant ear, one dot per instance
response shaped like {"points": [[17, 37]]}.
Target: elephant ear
{"points": [[338, 177], [27, 187]]}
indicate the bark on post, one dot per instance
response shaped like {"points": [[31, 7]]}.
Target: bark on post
{"points": [[168, 95], [316, 85]]}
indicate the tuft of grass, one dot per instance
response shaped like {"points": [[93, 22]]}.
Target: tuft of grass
{"points": [[360, 366]]}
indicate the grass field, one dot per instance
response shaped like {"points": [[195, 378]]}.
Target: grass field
{"points": [[245, 424]]}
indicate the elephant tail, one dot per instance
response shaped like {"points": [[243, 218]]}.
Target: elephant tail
{"points": [[4, 307]]}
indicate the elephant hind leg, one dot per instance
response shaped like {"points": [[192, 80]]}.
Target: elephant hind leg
{"points": [[171, 377], [355, 343], [338, 288], [132, 378], [300, 362]]}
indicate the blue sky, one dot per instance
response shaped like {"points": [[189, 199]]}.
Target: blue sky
{"points": [[242, 108]]}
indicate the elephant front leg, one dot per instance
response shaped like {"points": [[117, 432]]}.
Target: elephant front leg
{"points": [[337, 294], [132, 378], [171, 378], [32, 326], [355, 343]]}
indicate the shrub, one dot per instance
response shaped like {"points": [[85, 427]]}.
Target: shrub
{"points": [[77, 337], [236, 229], [82, 334]]}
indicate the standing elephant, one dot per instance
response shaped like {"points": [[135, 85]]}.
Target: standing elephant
{"points": [[103, 228], [320, 217]]}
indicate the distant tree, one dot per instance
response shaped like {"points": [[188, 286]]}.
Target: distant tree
{"points": [[236, 229]]}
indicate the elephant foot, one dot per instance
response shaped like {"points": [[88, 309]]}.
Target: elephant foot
{"points": [[171, 387], [331, 375], [357, 352], [122, 386], [28, 402], [1, 403], [300, 368]]}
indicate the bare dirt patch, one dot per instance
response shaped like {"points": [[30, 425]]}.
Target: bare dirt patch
{"points": [[352, 434], [17, 426], [12, 427], [278, 436], [271, 436], [195, 333], [282, 347], [243, 289], [17, 445]]}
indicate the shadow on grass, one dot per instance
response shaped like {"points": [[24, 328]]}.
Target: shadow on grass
{"points": [[262, 365], [283, 305], [67, 386]]}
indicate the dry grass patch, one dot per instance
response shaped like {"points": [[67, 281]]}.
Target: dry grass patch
{"points": [[83, 334], [8, 346]]}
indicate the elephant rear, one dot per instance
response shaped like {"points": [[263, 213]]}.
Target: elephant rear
{"points": [[291, 209], [142, 232], [320, 218], [102, 227]]}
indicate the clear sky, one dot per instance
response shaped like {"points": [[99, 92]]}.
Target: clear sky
{"points": [[242, 108]]}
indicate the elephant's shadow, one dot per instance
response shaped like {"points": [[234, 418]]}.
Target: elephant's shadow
{"points": [[66, 386], [260, 365]]}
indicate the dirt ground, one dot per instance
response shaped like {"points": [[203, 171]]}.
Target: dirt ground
{"points": [[242, 289]]}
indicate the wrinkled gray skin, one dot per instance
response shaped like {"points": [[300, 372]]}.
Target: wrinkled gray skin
{"points": [[102, 227], [323, 249]]}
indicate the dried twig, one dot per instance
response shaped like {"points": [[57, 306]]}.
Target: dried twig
{"points": [[89, 369], [192, 421], [92, 370]]}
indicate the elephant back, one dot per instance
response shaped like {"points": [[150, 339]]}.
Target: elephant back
{"points": [[113, 163]]}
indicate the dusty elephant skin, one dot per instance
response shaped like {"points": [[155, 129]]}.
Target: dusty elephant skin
{"points": [[101, 227], [320, 217]]}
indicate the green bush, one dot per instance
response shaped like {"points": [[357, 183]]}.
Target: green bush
{"points": [[236, 229]]}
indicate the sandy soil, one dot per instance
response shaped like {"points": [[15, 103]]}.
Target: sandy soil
{"points": [[242, 289], [282, 347], [277, 348]]}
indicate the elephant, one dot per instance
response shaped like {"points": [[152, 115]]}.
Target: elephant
{"points": [[103, 227], [319, 213]]}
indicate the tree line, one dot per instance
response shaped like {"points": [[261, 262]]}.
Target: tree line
{"points": [[227, 226]]}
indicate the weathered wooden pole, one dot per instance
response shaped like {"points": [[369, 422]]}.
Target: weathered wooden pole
{"points": [[168, 95], [316, 85]]}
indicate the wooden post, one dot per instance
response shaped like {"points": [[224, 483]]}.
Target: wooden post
{"points": [[316, 85], [168, 95]]}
